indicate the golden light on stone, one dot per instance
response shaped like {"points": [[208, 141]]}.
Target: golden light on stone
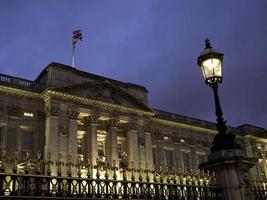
{"points": [[28, 114]]}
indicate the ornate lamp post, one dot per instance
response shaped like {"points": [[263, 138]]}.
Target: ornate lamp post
{"points": [[210, 62]]}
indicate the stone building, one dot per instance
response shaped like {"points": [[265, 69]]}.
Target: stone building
{"points": [[69, 111]]}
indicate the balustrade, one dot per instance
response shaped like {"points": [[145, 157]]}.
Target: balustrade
{"points": [[19, 82]]}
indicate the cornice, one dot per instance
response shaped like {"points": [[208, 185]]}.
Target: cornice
{"points": [[180, 125], [47, 94], [86, 101], [19, 92]]}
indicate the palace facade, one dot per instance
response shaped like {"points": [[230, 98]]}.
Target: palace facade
{"points": [[76, 113]]}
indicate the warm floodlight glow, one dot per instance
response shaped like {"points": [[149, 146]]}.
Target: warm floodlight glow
{"points": [[210, 61], [27, 114], [211, 67]]}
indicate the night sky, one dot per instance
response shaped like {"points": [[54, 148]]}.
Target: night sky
{"points": [[154, 43]]}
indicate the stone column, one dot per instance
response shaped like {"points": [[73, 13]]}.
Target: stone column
{"points": [[132, 143], [231, 168], [113, 140], [91, 138], [72, 139], [51, 133], [13, 130], [148, 146], [3, 136]]}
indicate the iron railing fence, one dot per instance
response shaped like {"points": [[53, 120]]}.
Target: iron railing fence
{"points": [[259, 188], [32, 186], [37, 178]]}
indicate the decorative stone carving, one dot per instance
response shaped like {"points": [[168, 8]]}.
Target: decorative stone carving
{"points": [[158, 134], [148, 128], [72, 114], [63, 128], [176, 138], [52, 111], [113, 123], [128, 126], [91, 119]]}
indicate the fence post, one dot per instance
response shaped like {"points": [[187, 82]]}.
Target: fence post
{"points": [[231, 168]]}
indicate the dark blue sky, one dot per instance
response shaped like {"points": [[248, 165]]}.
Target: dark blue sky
{"points": [[154, 43]]}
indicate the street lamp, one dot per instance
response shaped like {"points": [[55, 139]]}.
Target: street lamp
{"points": [[210, 62]]}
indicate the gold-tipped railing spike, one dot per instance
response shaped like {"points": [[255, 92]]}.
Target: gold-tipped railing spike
{"points": [[196, 177], [38, 163], [79, 166], [48, 164], [27, 163], [97, 167], [140, 170], [59, 164], [154, 174], [167, 174], [147, 173], [161, 175], [174, 175], [69, 166], [15, 162], [88, 168], [212, 178], [106, 168], [114, 168], [3, 160], [132, 170]]}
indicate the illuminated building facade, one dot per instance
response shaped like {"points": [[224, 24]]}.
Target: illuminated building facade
{"points": [[76, 113]]}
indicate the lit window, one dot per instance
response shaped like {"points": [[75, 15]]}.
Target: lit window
{"points": [[101, 148], [119, 150], [28, 114], [166, 138], [80, 145]]}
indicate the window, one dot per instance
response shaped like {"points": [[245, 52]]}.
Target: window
{"points": [[121, 147], [80, 145], [169, 158], [154, 150], [186, 160], [119, 150], [201, 158], [101, 148], [166, 138], [26, 143]]}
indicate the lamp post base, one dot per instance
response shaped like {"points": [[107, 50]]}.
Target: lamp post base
{"points": [[224, 142], [231, 168]]}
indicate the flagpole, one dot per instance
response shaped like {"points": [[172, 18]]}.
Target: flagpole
{"points": [[73, 48]]}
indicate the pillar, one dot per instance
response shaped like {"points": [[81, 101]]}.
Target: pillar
{"points": [[113, 140], [51, 133], [3, 139], [148, 146], [91, 138], [72, 136], [132, 143], [13, 130]]}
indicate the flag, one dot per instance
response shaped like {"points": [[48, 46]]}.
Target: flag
{"points": [[76, 36]]}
